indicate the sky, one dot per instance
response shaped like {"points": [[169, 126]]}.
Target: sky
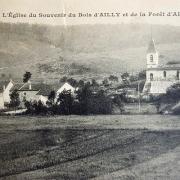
{"points": [[91, 7]]}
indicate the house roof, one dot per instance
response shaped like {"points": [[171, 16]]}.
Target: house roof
{"points": [[151, 47], [43, 89], [25, 87], [34, 87], [160, 87], [2, 84], [65, 86]]}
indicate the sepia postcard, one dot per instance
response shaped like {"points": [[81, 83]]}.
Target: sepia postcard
{"points": [[89, 89]]}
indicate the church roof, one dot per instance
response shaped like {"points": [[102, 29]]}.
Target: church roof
{"points": [[160, 87], [151, 47], [164, 68]]}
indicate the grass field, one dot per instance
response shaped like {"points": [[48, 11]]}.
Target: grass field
{"points": [[97, 147]]}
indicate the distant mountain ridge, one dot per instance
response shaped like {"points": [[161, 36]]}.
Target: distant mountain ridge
{"points": [[54, 51]]}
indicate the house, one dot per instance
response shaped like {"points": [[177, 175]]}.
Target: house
{"points": [[6, 91], [66, 87], [60, 87], [1, 100], [159, 77], [5, 87], [39, 92], [32, 92], [26, 91], [44, 91]]}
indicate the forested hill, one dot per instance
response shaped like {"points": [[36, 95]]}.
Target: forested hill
{"points": [[50, 51]]}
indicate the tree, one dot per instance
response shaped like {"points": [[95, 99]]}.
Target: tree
{"points": [[125, 78], [119, 101], [83, 95], [157, 101], [142, 75], [173, 92], [52, 97], [94, 83], [63, 79], [15, 101], [27, 77], [72, 82], [65, 100], [81, 83], [133, 78], [90, 103], [113, 78], [105, 82]]}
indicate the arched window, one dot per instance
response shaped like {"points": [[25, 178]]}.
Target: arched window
{"points": [[164, 74], [151, 58], [177, 75], [151, 77]]}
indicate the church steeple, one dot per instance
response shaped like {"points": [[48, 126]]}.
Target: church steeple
{"points": [[152, 55], [151, 47]]}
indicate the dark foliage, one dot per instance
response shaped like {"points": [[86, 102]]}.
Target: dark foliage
{"points": [[142, 75], [26, 77], [172, 96], [93, 102], [125, 78], [87, 101], [65, 100], [36, 108], [119, 101], [113, 78], [63, 79], [51, 98], [72, 82], [15, 101]]}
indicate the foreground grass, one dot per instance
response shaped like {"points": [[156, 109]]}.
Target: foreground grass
{"points": [[53, 152]]}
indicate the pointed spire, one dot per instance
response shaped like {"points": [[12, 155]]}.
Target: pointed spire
{"points": [[151, 47], [151, 31]]}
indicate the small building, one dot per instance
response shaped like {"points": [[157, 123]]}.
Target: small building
{"points": [[1, 100], [26, 91], [6, 91], [43, 93], [66, 87], [32, 92], [5, 88]]}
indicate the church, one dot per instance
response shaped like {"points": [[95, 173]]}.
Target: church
{"points": [[159, 77]]}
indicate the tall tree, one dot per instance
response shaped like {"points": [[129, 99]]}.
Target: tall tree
{"points": [[27, 77], [15, 101], [65, 100], [52, 97]]}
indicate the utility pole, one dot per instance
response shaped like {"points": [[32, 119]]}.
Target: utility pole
{"points": [[139, 100]]}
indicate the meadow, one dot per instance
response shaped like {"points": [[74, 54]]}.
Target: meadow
{"points": [[85, 147]]}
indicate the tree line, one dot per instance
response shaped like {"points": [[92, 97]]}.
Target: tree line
{"points": [[86, 101]]}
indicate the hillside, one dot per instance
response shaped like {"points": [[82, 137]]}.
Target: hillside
{"points": [[88, 50]]}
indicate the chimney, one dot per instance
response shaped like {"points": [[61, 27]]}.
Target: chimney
{"points": [[30, 87]]}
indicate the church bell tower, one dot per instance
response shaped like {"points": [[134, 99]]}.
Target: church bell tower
{"points": [[152, 56]]}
